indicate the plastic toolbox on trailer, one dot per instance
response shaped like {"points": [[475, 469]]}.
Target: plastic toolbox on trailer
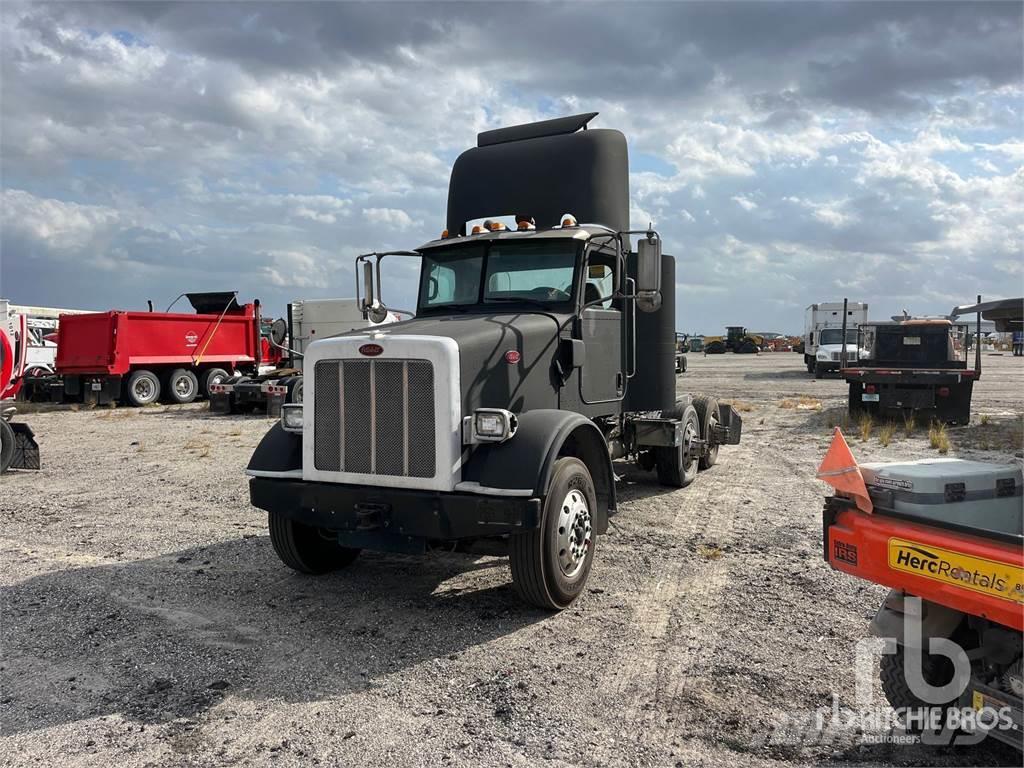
{"points": [[972, 494]]}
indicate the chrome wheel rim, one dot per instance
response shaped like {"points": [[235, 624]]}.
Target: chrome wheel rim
{"points": [[143, 389], [183, 386], [690, 433], [575, 533]]}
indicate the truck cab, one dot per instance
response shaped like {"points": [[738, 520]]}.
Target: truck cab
{"points": [[541, 350]]}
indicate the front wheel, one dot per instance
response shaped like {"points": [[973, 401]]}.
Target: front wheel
{"points": [[550, 565], [306, 549]]}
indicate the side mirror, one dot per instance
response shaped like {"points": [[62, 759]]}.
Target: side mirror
{"points": [[279, 331], [368, 300], [648, 273]]}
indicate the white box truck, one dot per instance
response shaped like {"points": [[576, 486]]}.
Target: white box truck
{"points": [[823, 334]]}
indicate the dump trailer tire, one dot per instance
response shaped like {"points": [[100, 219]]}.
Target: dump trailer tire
{"points": [[708, 416], [675, 467], [6, 446], [182, 386], [213, 376], [550, 564], [936, 670], [302, 548], [143, 388]]}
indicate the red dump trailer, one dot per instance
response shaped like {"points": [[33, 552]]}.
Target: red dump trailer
{"points": [[141, 357]]}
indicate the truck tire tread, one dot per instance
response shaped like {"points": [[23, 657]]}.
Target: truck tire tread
{"points": [[301, 548], [705, 405], [528, 555]]}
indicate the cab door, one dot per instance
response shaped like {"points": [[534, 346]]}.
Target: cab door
{"points": [[603, 376]]}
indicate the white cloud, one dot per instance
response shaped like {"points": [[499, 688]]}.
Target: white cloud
{"points": [[744, 202]]}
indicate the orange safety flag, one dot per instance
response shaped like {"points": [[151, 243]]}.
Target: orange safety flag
{"points": [[839, 469]]}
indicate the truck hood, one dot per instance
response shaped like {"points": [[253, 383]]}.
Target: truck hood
{"points": [[488, 378]]}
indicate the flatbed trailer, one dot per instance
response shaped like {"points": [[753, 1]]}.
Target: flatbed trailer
{"points": [[971, 585], [944, 392]]}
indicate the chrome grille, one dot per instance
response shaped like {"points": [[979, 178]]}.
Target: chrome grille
{"points": [[374, 417]]}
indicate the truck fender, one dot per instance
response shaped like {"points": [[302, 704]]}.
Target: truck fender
{"points": [[936, 620], [279, 454], [527, 459]]}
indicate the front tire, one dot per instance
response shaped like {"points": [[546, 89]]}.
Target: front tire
{"points": [[305, 549], [550, 565]]}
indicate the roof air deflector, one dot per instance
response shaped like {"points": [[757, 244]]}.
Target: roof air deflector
{"points": [[555, 127]]}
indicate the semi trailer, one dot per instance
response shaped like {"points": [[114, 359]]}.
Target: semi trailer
{"points": [[141, 357], [541, 351]]}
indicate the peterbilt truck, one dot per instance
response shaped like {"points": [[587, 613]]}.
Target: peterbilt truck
{"points": [[541, 351]]}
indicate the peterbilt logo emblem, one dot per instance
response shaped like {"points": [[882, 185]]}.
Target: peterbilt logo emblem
{"points": [[191, 338], [371, 350], [512, 357]]}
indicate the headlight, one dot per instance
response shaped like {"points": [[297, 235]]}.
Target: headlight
{"points": [[824, 356], [491, 425], [291, 418]]}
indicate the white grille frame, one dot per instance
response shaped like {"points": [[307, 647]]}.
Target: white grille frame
{"points": [[443, 354]]}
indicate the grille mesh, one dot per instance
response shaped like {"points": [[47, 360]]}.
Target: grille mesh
{"points": [[374, 417]]}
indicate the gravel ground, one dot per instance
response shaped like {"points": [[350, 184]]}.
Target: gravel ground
{"points": [[147, 621]]}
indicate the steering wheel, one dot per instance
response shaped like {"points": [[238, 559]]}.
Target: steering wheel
{"points": [[549, 294]]}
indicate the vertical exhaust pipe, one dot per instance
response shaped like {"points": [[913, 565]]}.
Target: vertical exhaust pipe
{"points": [[977, 344], [842, 354]]}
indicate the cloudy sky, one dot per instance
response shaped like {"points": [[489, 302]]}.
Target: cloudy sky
{"points": [[788, 153]]}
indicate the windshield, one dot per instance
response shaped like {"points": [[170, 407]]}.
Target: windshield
{"points": [[835, 336], [533, 271]]}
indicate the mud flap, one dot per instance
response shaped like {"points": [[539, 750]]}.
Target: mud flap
{"points": [[26, 451], [730, 426]]}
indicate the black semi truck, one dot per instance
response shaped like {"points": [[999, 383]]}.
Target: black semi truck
{"points": [[541, 351]]}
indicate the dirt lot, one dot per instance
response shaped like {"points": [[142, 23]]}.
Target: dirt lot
{"points": [[147, 621]]}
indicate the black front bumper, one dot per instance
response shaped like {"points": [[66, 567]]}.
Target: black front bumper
{"points": [[394, 519]]}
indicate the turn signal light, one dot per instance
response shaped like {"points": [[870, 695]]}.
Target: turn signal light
{"points": [[477, 229], [496, 226], [444, 234], [943, 391], [869, 389], [568, 221], [524, 225]]}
